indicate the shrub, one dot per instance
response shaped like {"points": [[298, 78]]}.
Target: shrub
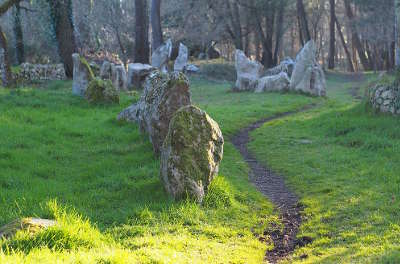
{"points": [[100, 91], [219, 71]]}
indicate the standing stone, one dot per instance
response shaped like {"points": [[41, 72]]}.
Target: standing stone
{"points": [[105, 71], [163, 95], [118, 77], [191, 154], [137, 74], [308, 76], [82, 75], [161, 56], [274, 83], [248, 72], [182, 60]]}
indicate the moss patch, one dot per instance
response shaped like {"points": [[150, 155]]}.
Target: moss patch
{"points": [[102, 92]]}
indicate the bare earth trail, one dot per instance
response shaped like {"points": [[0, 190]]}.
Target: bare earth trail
{"points": [[273, 186]]}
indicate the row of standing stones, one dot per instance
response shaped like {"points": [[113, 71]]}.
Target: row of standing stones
{"points": [[134, 77], [188, 140], [304, 75]]}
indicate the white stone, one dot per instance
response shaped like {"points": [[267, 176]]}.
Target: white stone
{"points": [[182, 59], [308, 76], [248, 72], [118, 77], [274, 83], [192, 68]]}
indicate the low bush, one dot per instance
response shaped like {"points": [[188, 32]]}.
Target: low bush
{"points": [[100, 92]]}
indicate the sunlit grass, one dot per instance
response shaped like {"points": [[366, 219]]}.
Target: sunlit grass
{"points": [[110, 203], [347, 175]]}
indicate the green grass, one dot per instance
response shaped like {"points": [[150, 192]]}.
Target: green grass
{"points": [[65, 159], [348, 177]]}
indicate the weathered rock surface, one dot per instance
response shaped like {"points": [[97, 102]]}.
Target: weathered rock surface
{"points": [[118, 77], [191, 154], [274, 83], [82, 75], [105, 71], [385, 98], [137, 74], [248, 72], [163, 95], [161, 56], [32, 225], [286, 66], [182, 60], [308, 76]]}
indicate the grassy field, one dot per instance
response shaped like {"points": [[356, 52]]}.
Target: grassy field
{"points": [[62, 158], [343, 161]]}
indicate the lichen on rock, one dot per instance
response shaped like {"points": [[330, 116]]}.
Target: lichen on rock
{"points": [[385, 97], [163, 95], [191, 154]]}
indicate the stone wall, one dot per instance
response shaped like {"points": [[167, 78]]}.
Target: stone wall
{"points": [[28, 72], [385, 98]]}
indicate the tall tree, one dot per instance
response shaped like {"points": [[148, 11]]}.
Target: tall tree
{"points": [[19, 37], [355, 37], [61, 14], [397, 37], [157, 34], [142, 32], [332, 35], [303, 22], [7, 78]]}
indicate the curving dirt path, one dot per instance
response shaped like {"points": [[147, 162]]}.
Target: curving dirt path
{"points": [[273, 186]]}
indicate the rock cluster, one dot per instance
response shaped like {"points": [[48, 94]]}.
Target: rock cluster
{"points": [[115, 73], [191, 154], [305, 75], [163, 95], [385, 98]]}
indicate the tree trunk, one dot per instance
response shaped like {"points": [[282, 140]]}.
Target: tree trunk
{"points": [[356, 40], [7, 78], [19, 38], [332, 40], [397, 38], [61, 14], [346, 50], [303, 24], [142, 51], [157, 35], [279, 30]]}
